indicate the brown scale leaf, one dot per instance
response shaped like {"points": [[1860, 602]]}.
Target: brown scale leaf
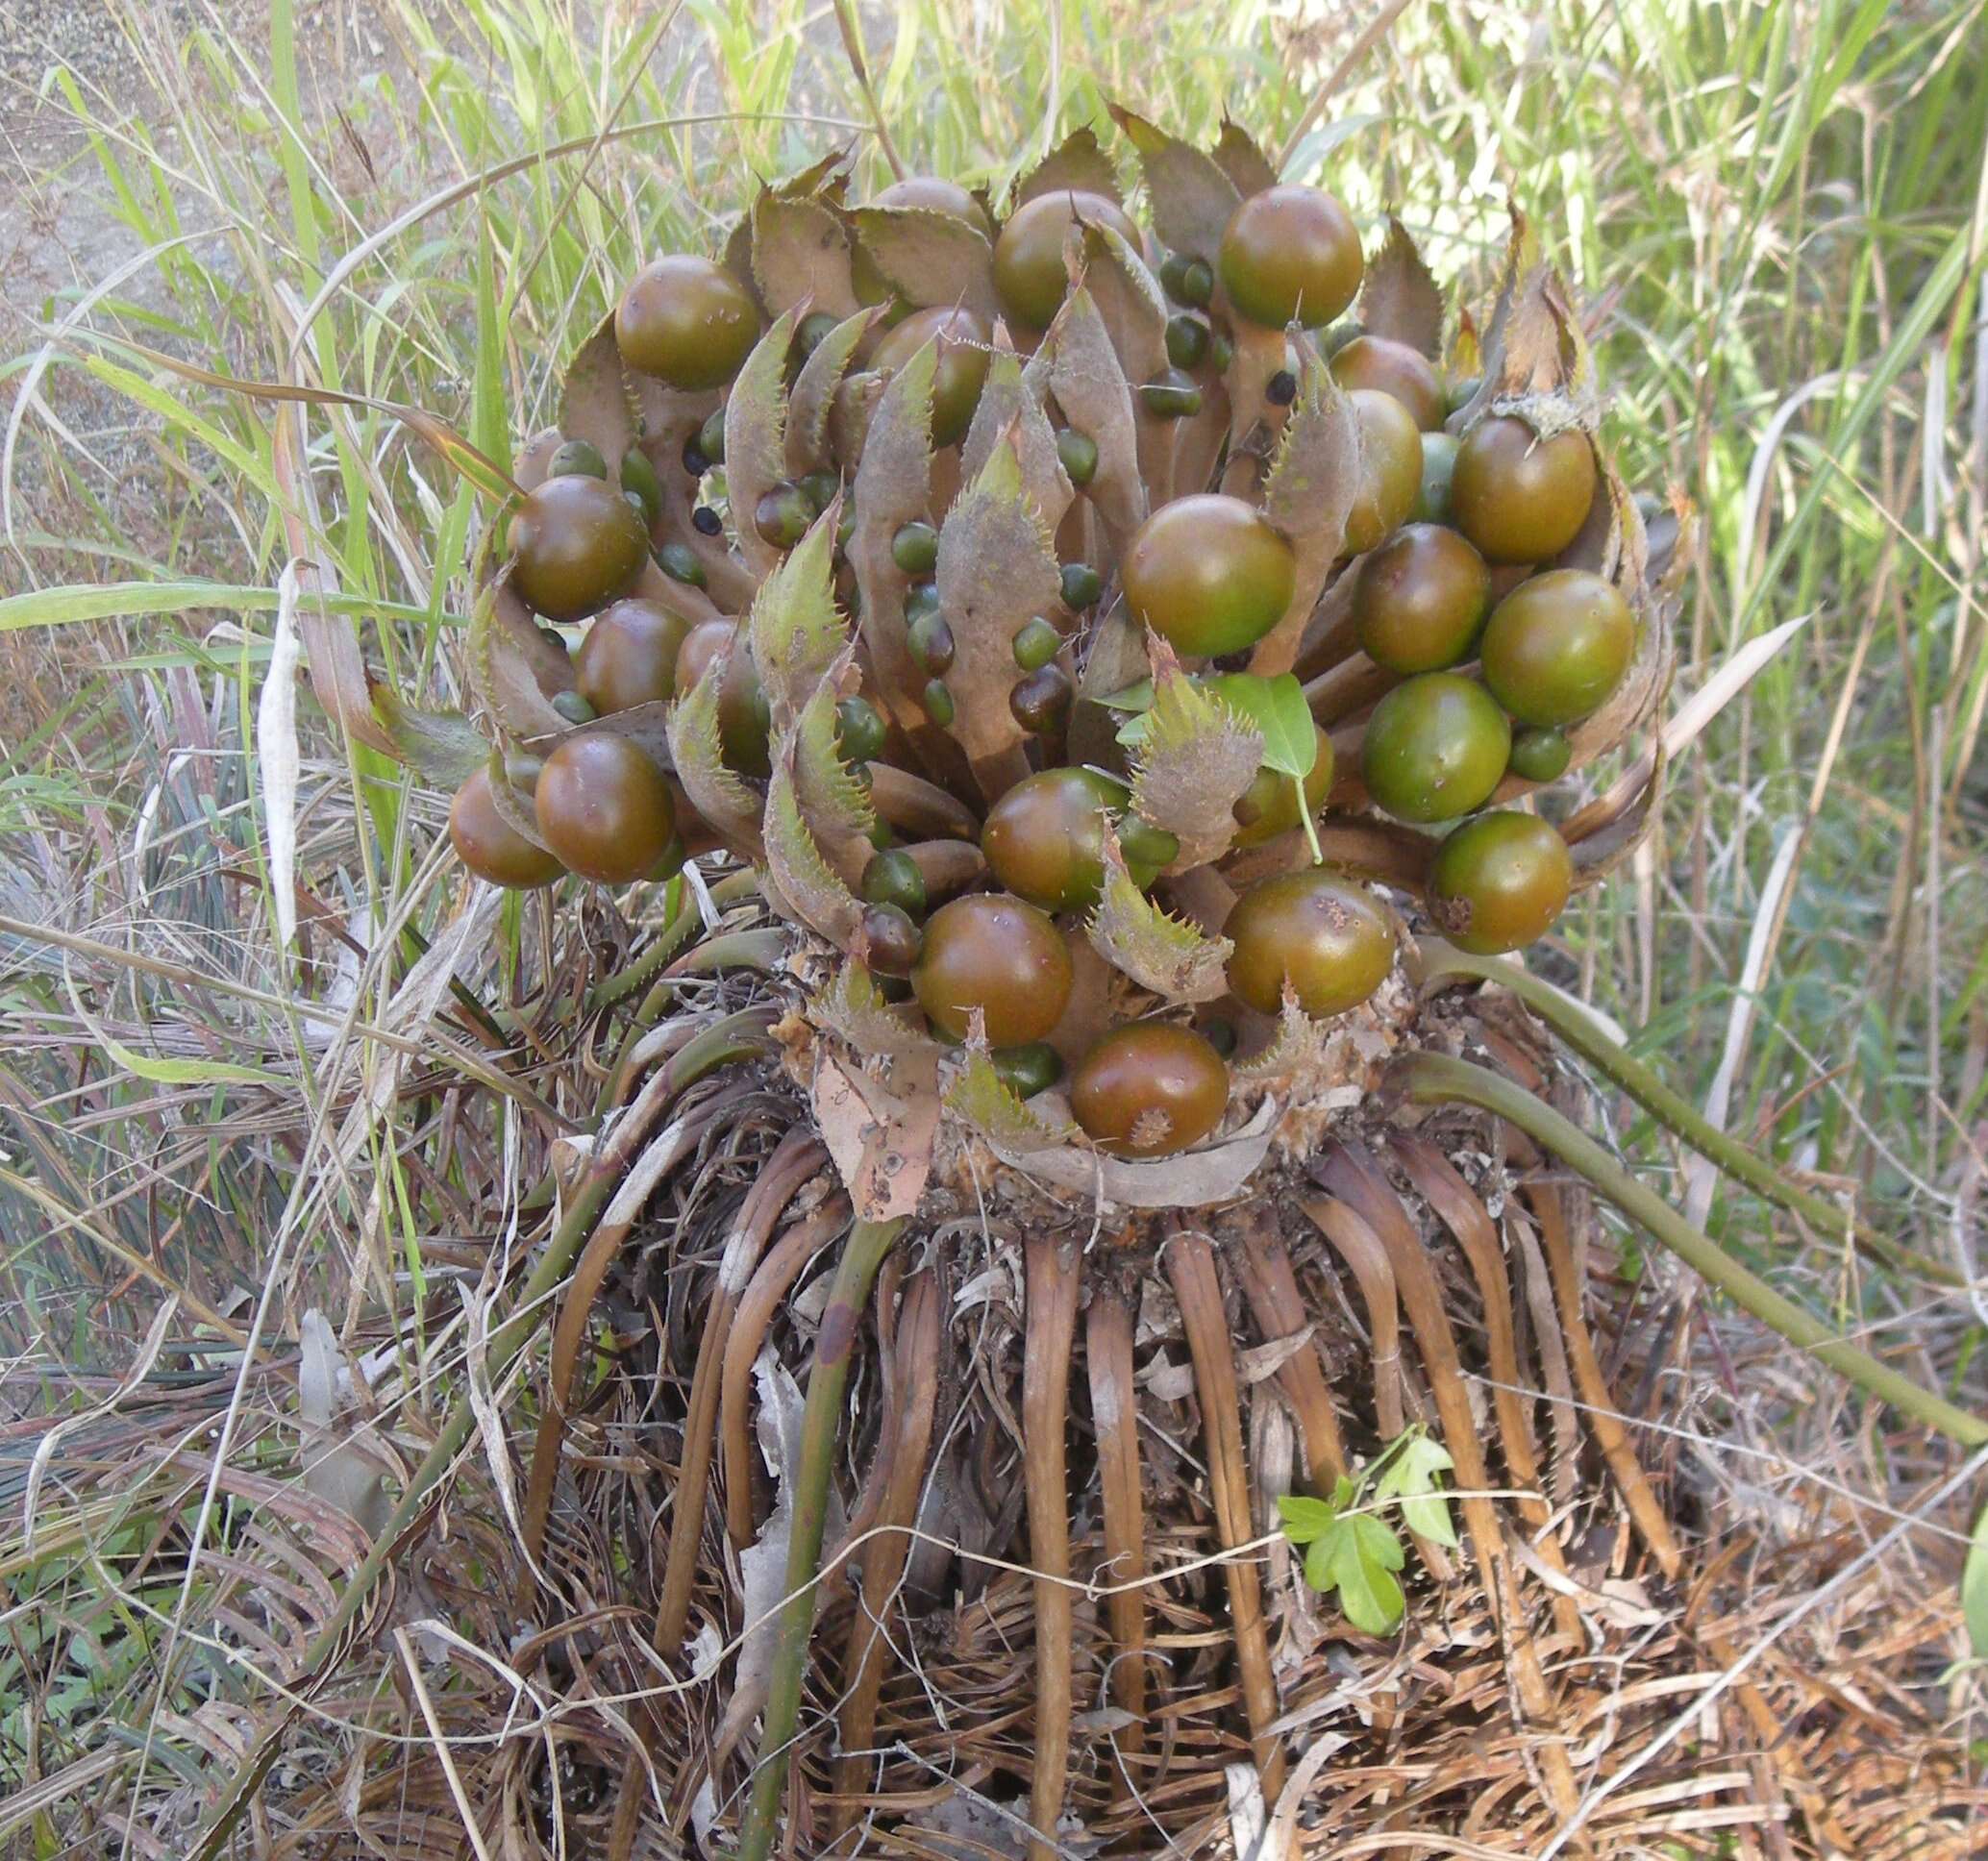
{"points": [[1191, 197], [1542, 369], [814, 391], [715, 790], [1238, 157], [893, 487], [1400, 297], [1013, 400], [756, 418], [441, 746], [1521, 257], [738, 257], [997, 571], [800, 257], [1135, 314], [515, 808], [796, 630], [826, 177], [931, 257], [596, 402], [1197, 758], [1076, 163], [1158, 950], [1307, 495], [671, 416], [506, 656], [1083, 373]]}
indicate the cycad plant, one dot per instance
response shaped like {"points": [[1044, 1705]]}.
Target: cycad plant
{"points": [[1087, 1184]]}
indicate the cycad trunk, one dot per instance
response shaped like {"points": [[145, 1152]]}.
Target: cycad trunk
{"points": [[1087, 1533]]}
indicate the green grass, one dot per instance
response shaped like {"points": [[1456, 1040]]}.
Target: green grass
{"points": [[1779, 210]]}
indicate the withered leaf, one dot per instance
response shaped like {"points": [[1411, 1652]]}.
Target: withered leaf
{"points": [[1196, 1178], [717, 791], [1075, 163], [814, 390], [441, 746], [800, 257], [1197, 758], [929, 258], [1308, 496], [504, 655], [1238, 157], [997, 571], [1009, 399], [1400, 297], [795, 629], [755, 419], [1158, 950], [1191, 197], [880, 1130], [596, 402], [1085, 375]]}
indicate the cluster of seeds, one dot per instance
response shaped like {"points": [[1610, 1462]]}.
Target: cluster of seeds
{"points": [[1270, 487]]}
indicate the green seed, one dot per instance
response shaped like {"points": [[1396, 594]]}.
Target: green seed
{"points": [[860, 730], [1041, 702], [1036, 644], [1221, 352], [931, 641], [1082, 585], [679, 562], [711, 438], [1028, 1070], [1197, 285], [1173, 274], [1146, 846], [916, 549], [782, 516], [1173, 396], [893, 941], [894, 878], [1188, 340], [819, 488], [574, 708], [921, 598], [638, 478], [1540, 753], [521, 769], [808, 337], [578, 458], [1078, 453], [1220, 1034], [939, 704]]}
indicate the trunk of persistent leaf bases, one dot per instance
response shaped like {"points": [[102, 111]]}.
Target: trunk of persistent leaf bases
{"points": [[1092, 966]]}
